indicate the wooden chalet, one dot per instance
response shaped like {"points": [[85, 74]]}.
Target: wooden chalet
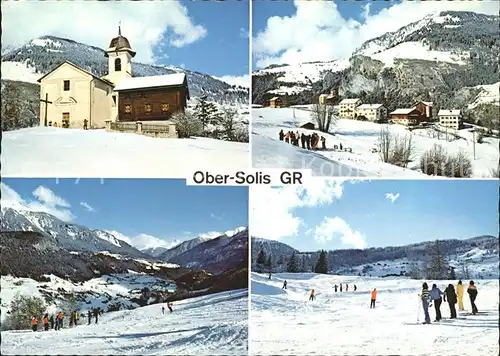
{"points": [[408, 117], [275, 102], [153, 98], [425, 109]]}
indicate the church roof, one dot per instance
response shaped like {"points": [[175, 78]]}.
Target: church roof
{"points": [[156, 81], [120, 43], [80, 69]]}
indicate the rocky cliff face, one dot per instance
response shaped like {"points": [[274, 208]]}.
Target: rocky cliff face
{"points": [[444, 58]]}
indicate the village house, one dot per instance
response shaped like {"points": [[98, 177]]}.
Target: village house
{"points": [[348, 108], [425, 109], [275, 102], [450, 118], [408, 117], [372, 112], [71, 96], [327, 99]]}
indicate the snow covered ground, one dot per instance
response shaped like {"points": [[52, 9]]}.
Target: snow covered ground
{"points": [[362, 137], [56, 152], [99, 292], [285, 322], [208, 325], [19, 72]]}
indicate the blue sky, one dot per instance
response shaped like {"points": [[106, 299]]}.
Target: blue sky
{"points": [[163, 208], [210, 37], [305, 31], [422, 210]]}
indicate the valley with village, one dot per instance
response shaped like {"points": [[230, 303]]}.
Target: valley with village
{"points": [[401, 105], [69, 109]]}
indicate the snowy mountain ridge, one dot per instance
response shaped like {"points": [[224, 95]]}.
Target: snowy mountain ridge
{"points": [[440, 58]]}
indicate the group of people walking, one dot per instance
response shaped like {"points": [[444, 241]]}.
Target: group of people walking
{"points": [[450, 296], [309, 142], [169, 306], [341, 287], [57, 322]]}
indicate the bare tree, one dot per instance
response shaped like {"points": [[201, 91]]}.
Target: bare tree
{"points": [[395, 149], [465, 271], [495, 172], [324, 117], [437, 162]]}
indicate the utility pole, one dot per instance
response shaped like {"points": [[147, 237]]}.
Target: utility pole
{"points": [[474, 143], [47, 102]]}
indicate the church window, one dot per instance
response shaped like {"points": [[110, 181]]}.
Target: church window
{"points": [[128, 108], [148, 107], [118, 65], [66, 85], [164, 107]]}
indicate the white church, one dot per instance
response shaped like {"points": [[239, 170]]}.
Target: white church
{"points": [[72, 97]]}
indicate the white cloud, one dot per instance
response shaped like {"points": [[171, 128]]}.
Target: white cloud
{"points": [[144, 241], [216, 217], [392, 197], [317, 30], [336, 227], [96, 23], [45, 201], [272, 209], [87, 207], [244, 33], [242, 81]]}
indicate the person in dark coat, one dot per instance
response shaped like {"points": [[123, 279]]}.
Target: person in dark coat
{"points": [[335, 287], [284, 285], [163, 310], [169, 306], [308, 141], [340, 146], [89, 315], [346, 287], [472, 291], [282, 135], [303, 139], [96, 315], [355, 287], [51, 321], [323, 143], [341, 287], [451, 297]]}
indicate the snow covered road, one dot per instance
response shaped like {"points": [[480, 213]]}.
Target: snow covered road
{"points": [[285, 322], [209, 325]]}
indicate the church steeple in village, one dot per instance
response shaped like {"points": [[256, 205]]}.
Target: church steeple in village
{"points": [[120, 56]]}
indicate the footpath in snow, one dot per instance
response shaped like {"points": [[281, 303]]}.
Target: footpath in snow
{"points": [[286, 323], [361, 137], [216, 324], [55, 152]]}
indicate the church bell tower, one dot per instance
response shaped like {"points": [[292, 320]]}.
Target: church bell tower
{"points": [[120, 56]]}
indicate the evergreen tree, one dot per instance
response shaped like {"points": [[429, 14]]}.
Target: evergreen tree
{"points": [[11, 106], [322, 263], [437, 267], [269, 263], [261, 258], [207, 113], [293, 264]]}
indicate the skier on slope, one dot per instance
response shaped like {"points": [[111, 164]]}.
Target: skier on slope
{"points": [[34, 323], [435, 295], [373, 298], [425, 297], [311, 297], [460, 295], [284, 285], [472, 291], [451, 297]]}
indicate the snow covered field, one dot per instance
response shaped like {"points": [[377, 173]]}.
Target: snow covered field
{"points": [[209, 325], [56, 152], [285, 322], [362, 137]]}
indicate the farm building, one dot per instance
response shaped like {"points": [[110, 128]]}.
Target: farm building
{"points": [[425, 109], [275, 102], [408, 117]]}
